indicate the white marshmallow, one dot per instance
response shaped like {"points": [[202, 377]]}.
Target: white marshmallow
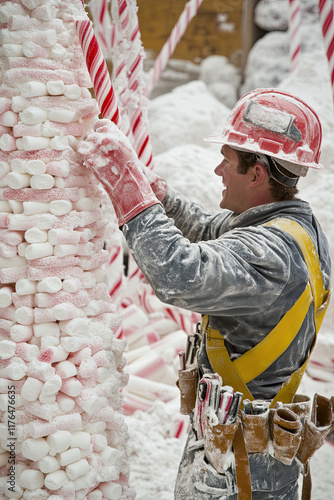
{"points": [[13, 262], [72, 91], [111, 491], [30, 143], [25, 287], [31, 389], [42, 181], [32, 115], [35, 449], [38, 250], [77, 326], [65, 249], [31, 479], [62, 115], [51, 386], [49, 285], [7, 349], [72, 387], [16, 370], [21, 333], [72, 285], [60, 207], [24, 315], [21, 248], [5, 207], [56, 87], [12, 50], [48, 464], [110, 456], [66, 403], [59, 441], [33, 89], [69, 456], [9, 119], [77, 469], [47, 341], [59, 143], [35, 235], [35, 207], [50, 329], [55, 480], [5, 297], [80, 439], [4, 168], [8, 142], [16, 206], [17, 181], [35, 167], [32, 4], [18, 165]]}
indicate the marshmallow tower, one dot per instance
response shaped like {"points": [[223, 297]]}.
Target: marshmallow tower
{"points": [[62, 432]]}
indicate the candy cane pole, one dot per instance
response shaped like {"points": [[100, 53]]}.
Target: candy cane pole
{"points": [[167, 50], [98, 71], [295, 34], [327, 25]]}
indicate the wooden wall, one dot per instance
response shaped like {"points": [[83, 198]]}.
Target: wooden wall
{"points": [[206, 34]]}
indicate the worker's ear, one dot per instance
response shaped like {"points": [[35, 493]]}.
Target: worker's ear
{"points": [[258, 174]]}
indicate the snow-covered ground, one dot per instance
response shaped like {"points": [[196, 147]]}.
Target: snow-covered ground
{"points": [[178, 122]]}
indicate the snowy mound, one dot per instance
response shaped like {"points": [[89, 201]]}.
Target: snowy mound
{"points": [[185, 116]]}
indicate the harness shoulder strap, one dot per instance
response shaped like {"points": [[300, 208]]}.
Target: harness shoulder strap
{"points": [[255, 361]]}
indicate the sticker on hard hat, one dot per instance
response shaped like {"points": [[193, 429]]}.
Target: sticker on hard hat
{"points": [[272, 120]]}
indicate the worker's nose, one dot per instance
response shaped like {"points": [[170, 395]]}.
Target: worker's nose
{"points": [[219, 169]]}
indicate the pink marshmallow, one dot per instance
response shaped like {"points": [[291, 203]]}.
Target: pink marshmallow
{"points": [[71, 422], [78, 299], [43, 195], [6, 325], [66, 369], [63, 236], [77, 357], [53, 354], [41, 371], [21, 130], [12, 238], [38, 274], [32, 50], [66, 403], [7, 312], [27, 352], [55, 262], [101, 358], [99, 291], [23, 300], [43, 411], [58, 168], [71, 387], [44, 315]]}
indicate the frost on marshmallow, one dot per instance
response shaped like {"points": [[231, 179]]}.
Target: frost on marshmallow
{"points": [[57, 321]]}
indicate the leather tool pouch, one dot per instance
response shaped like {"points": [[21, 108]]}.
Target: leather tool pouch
{"points": [[256, 432], [187, 384], [218, 441], [286, 429], [317, 429]]}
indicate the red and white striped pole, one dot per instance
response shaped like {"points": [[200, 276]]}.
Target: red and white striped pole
{"points": [[98, 71], [167, 50], [327, 25], [295, 34]]}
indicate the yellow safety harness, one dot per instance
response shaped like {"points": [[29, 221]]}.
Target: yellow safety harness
{"points": [[252, 363]]}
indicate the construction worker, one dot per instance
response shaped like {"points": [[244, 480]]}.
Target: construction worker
{"points": [[245, 269]]}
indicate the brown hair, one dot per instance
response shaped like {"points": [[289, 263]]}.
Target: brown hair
{"points": [[278, 191]]}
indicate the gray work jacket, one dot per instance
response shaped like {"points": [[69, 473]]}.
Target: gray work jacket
{"points": [[244, 275]]}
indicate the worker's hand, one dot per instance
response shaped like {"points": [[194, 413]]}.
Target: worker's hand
{"points": [[107, 152]]}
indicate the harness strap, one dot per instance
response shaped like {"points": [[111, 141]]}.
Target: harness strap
{"points": [[251, 364]]}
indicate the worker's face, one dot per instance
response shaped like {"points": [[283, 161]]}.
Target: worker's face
{"points": [[234, 192]]}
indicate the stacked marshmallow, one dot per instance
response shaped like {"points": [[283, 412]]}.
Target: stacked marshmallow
{"points": [[57, 321]]}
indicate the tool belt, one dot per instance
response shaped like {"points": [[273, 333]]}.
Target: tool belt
{"points": [[288, 428]]}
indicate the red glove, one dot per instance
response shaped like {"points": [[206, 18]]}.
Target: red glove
{"points": [[158, 185], [107, 152]]}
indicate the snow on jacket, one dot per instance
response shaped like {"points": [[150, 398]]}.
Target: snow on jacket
{"points": [[244, 275]]}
